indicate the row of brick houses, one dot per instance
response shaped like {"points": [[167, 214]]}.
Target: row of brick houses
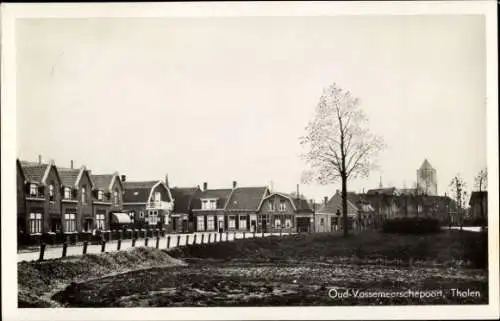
{"points": [[73, 201]]}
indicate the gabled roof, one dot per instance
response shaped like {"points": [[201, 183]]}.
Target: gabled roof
{"points": [[105, 182], [222, 195], [71, 176], [141, 191], [299, 204], [37, 172], [384, 191], [334, 203], [246, 198], [183, 198]]}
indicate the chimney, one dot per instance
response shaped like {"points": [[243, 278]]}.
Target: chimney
{"points": [[325, 200], [71, 164], [205, 186], [298, 192], [39, 159], [123, 177], [234, 184], [166, 180]]}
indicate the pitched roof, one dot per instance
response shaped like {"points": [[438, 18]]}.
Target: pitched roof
{"points": [[334, 203], [302, 205], [246, 198], [385, 191], [183, 197], [140, 191], [222, 195], [103, 181], [33, 172], [68, 176]]}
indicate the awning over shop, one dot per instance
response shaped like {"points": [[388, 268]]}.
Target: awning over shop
{"points": [[121, 218]]}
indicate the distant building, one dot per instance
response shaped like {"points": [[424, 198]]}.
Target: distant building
{"points": [[427, 179], [479, 205]]}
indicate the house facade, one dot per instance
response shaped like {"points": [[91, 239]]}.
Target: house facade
{"points": [[243, 207], [329, 214], [39, 198], [208, 210], [182, 215], [107, 203], [148, 203], [283, 212], [76, 203]]}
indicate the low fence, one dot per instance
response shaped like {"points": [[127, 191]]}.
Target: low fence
{"points": [[138, 238]]}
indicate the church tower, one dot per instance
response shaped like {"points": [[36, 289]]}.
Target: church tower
{"points": [[427, 179]]}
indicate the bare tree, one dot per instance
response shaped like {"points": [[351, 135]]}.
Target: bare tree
{"points": [[458, 186], [338, 142], [481, 182]]}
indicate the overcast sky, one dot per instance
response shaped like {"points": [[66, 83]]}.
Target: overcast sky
{"points": [[223, 99]]}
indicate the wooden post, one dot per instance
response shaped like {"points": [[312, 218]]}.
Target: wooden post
{"points": [[119, 244], [227, 236], [254, 232], [65, 248], [146, 241], [133, 241], [194, 239], [209, 237], [158, 241], [243, 234], [85, 245], [187, 239], [42, 251], [168, 242], [202, 238], [103, 247], [234, 235], [178, 240]]}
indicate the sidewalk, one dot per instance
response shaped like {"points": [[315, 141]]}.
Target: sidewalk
{"points": [[175, 241]]}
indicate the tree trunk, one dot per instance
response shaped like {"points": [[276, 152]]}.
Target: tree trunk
{"points": [[344, 205]]}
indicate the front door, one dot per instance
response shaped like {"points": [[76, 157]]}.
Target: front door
{"points": [[174, 223], [55, 225], [264, 224]]}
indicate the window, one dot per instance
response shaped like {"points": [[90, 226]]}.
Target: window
{"points": [[132, 216], [35, 223], [84, 195], [100, 195], [232, 222], [70, 222], [288, 222], [115, 197], [157, 197], [277, 222], [210, 223], [282, 205], [153, 217], [67, 193], [87, 226], [200, 223], [213, 205], [243, 222], [322, 222], [141, 214], [51, 192], [100, 221], [33, 190], [208, 204], [271, 205]]}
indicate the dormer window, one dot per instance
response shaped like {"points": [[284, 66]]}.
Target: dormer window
{"points": [[100, 195], [209, 204], [33, 189], [157, 197], [67, 193]]}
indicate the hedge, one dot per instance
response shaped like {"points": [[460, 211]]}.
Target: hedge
{"points": [[412, 225]]}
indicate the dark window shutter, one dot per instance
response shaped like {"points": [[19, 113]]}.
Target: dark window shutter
{"points": [[41, 190], [27, 188], [73, 192]]}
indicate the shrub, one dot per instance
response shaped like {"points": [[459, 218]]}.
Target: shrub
{"points": [[412, 225], [475, 248]]}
